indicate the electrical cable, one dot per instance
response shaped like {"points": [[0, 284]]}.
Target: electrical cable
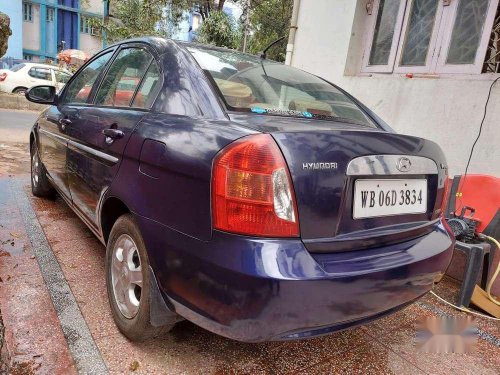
{"points": [[488, 287], [459, 194], [464, 309], [495, 274]]}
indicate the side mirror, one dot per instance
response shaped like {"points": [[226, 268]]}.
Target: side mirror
{"points": [[42, 94]]}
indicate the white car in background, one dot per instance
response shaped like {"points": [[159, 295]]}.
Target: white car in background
{"points": [[22, 76]]}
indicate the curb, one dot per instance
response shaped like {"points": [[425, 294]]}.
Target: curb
{"points": [[13, 101], [82, 347]]}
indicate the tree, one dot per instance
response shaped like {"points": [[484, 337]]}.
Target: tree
{"points": [[270, 20], [218, 30], [5, 32], [204, 7], [132, 18]]}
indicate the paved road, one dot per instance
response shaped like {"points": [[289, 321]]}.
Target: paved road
{"points": [[15, 125]]}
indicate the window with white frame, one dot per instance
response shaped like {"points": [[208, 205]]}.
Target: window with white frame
{"points": [[50, 14], [27, 12], [86, 26], [432, 36]]}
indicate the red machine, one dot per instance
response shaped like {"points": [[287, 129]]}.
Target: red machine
{"points": [[480, 196]]}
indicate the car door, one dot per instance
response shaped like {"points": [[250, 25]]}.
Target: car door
{"points": [[97, 143], [53, 139]]}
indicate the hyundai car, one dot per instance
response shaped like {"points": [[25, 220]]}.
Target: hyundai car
{"points": [[249, 197]]}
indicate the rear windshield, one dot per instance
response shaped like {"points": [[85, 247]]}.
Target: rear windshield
{"points": [[248, 83], [17, 67]]}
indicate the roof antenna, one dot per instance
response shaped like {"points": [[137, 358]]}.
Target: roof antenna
{"points": [[263, 54]]}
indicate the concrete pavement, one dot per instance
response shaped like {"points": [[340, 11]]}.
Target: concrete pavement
{"points": [[15, 125], [15, 128]]}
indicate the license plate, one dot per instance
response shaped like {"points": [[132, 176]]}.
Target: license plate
{"points": [[374, 198]]}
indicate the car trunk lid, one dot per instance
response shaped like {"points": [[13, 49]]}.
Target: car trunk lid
{"points": [[327, 159]]}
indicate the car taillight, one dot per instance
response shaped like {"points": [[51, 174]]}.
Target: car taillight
{"points": [[252, 191], [3, 76]]}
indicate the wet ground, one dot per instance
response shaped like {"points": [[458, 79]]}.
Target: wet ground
{"points": [[39, 340]]}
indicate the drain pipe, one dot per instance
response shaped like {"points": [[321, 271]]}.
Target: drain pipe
{"points": [[293, 29]]}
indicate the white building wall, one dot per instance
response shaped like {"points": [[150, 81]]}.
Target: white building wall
{"points": [[31, 30], [445, 110], [90, 44]]}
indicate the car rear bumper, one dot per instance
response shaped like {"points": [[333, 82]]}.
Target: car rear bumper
{"points": [[252, 289]]}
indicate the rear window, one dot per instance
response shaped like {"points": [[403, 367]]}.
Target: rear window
{"points": [[17, 67], [248, 83]]}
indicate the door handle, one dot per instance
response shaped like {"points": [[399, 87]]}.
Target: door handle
{"points": [[112, 134], [64, 122]]}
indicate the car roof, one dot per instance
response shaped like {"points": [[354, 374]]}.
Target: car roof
{"points": [[47, 66], [161, 43]]}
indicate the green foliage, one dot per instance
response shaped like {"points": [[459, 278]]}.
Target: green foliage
{"points": [[132, 18], [219, 30], [270, 20]]}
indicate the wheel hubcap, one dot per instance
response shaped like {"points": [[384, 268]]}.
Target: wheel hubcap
{"points": [[35, 169], [126, 276]]}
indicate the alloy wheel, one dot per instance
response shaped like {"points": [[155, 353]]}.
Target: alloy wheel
{"points": [[35, 168], [126, 276]]}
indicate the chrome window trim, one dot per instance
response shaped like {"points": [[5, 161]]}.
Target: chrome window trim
{"points": [[383, 165], [56, 137], [99, 154]]}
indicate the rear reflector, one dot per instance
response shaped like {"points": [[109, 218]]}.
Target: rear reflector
{"points": [[251, 190], [3, 76]]}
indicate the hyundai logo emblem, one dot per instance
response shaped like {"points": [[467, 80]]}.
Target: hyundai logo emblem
{"points": [[404, 164]]}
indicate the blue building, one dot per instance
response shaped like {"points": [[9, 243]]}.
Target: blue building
{"points": [[41, 28]]}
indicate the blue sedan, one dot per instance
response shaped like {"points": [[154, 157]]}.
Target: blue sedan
{"points": [[254, 199]]}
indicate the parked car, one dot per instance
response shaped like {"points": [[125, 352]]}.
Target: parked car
{"points": [[25, 75], [252, 198]]}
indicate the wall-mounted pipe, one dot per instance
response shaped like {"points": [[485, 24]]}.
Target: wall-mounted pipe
{"points": [[293, 29]]}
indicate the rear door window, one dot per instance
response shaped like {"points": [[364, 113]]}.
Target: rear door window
{"points": [[40, 73], [123, 77], [78, 90], [149, 88]]}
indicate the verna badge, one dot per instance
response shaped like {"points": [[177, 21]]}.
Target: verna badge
{"points": [[319, 166], [404, 164]]}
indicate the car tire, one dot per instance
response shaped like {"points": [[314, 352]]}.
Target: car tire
{"points": [[20, 90], [126, 243], [40, 185]]}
